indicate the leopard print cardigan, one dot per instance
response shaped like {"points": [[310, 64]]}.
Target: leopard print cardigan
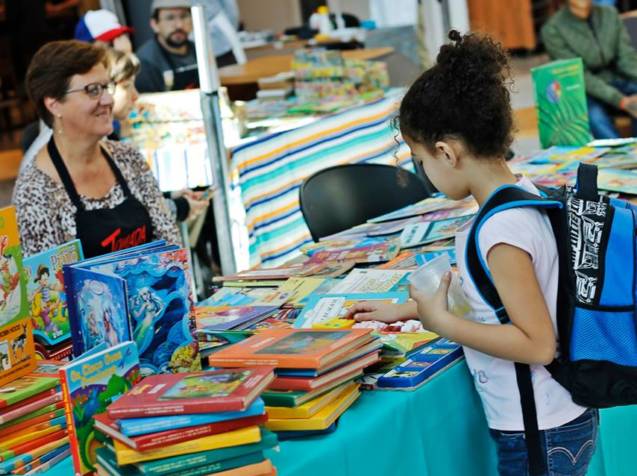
{"points": [[46, 216]]}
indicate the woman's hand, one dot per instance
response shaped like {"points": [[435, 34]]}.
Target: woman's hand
{"points": [[381, 311], [433, 311]]}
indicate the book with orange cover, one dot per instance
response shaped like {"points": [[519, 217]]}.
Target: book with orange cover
{"points": [[264, 468], [292, 348]]}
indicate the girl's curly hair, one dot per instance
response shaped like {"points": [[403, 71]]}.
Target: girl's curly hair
{"points": [[464, 95]]}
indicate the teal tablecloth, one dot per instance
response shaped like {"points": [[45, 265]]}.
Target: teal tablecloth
{"points": [[437, 430]]}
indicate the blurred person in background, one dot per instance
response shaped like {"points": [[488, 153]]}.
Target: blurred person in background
{"points": [[169, 61], [598, 36]]}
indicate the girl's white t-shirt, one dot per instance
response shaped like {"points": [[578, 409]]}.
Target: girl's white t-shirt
{"points": [[530, 230]]}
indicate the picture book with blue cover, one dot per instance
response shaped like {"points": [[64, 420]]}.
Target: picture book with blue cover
{"points": [[98, 309], [160, 305], [89, 386], [46, 293]]}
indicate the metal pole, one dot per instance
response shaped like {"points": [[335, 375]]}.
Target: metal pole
{"points": [[209, 90]]}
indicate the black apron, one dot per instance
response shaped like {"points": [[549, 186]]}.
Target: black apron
{"points": [[109, 229]]}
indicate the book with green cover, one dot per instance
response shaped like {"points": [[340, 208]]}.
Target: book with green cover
{"points": [[560, 95], [193, 460], [107, 460], [25, 387]]}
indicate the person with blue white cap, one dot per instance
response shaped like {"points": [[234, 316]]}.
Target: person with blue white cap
{"points": [[103, 27]]}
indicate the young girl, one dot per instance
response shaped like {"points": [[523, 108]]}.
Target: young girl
{"points": [[457, 120]]}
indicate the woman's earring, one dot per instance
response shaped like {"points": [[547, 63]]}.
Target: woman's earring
{"points": [[60, 129]]}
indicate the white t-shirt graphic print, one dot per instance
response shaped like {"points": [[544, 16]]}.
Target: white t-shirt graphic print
{"points": [[530, 230]]}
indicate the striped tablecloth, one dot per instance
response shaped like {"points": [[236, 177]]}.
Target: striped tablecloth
{"points": [[266, 174]]}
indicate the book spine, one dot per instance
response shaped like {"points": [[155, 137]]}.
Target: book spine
{"points": [[70, 423], [185, 434], [23, 410], [162, 409], [71, 306], [29, 399]]}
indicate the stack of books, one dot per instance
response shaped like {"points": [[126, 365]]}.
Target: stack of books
{"points": [[315, 372], [33, 433], [199, 423]]}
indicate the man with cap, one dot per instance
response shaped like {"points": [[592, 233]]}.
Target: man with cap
{"points": [[168, 60], [102, 26]]}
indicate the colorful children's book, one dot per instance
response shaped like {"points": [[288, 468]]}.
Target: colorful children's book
{"points": [[322, 419], [43, 463], [142, 426], [290, 435], [309, 408], [13, 464], [108, 462], [361, 281], [90, 385], [126, 455], [46, 294], [374, 253], [623, 181], [422, 365], [347, 371], [221, 318], [297, 290], [30, 405], [417, 234], [222, 390], [32, 385], [170, 437], [174, 465], [420, 208], [291, 348], [560, 94], [98, 309], [231, 296], [17, 354], [160, 304], [322, 309]]}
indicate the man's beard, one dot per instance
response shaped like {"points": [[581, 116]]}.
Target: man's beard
{"points": [[177, 44]]}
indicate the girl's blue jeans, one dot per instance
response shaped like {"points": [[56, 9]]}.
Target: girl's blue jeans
{"points": [[568, 448]]}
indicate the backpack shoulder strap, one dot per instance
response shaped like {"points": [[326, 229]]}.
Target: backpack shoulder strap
{"points": [[504, 198]]}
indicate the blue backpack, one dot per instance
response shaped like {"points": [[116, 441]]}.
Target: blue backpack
{"points": [[596, 319]]}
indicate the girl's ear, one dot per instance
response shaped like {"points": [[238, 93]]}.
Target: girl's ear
{"points": [[446, 152]]}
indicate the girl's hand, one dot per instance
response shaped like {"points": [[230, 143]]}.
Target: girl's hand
{"points": [[376, 311], [433, 310]]}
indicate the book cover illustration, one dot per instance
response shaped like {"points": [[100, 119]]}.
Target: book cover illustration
{"points": [[160, 308], [420, 208], [89, 386], [13, 289], [373, 253], [560, 95], [221, 318], [339, 245], [417, 234], [623, 181], [323, 309], [244, 296], [46, 293], [199, 392], [363, 281], [98, 309]]}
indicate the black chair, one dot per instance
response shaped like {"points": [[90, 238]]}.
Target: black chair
{"points": [[340, 197]]}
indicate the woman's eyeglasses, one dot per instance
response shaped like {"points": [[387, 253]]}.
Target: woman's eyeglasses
{"points": [[95, 90]]}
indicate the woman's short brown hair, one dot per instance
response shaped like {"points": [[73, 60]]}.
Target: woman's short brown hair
{"points": [[122, 65], [52, 68]]}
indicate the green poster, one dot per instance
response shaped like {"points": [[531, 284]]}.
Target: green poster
{"points": [[560, 95]]}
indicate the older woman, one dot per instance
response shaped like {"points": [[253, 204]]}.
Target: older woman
{"points": [[79, 185]]}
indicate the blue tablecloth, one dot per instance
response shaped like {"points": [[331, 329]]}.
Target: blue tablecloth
{"points": [[436, 430]]}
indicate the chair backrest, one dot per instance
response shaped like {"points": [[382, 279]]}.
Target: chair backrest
{"points": [[340, 197]]}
